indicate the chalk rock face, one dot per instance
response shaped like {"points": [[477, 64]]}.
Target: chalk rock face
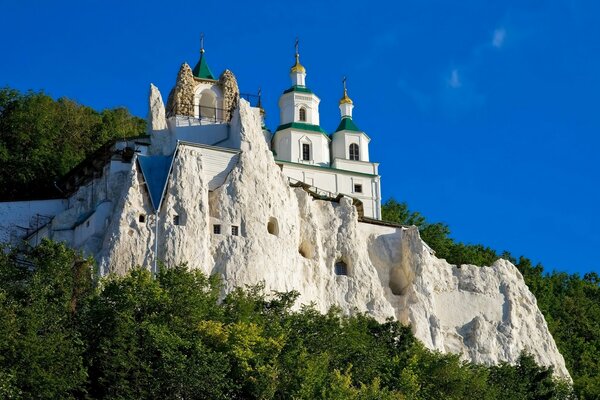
{"points": [[281, 236], [157, 121]]}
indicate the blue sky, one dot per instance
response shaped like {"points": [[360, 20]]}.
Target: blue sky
{"points": [[483, 114]]}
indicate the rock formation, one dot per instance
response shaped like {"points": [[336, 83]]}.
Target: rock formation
{"points": [[181, 98], [231, 93], [290, 241]]}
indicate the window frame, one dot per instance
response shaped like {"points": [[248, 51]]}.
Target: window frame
{"points": [[306, 155], [235, 230], [354, 155], [302, 114]]}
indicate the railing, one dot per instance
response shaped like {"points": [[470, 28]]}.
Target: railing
{"points": [[202, 113], [322, 194]]}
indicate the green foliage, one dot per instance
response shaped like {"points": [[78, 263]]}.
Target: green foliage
{"points": [[41, 139], [170, 336], [570, 304]]}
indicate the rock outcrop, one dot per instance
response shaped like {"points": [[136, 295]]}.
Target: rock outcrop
{"points": [[288, 240], [181, 98], [231, 93]]}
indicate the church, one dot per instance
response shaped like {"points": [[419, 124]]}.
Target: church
{"points": [[199, 111]]}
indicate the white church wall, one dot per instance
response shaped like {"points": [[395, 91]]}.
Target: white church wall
{"points": [[217, 163], [194, 130], [26, 214], [356, 166], [319, 147], [332, 182], [342, 140]]}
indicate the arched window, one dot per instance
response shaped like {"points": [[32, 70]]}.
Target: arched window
{"points": [[208, 105], [302, 114], [354, 152]]}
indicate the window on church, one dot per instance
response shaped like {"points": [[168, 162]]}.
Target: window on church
{"points": [[302, 114], [175, 219], [305, 151], [235, 231], [357, 188], [354, 152], [217, 229]]}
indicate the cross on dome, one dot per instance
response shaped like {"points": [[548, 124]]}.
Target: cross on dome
{"points": [[297, 67]]}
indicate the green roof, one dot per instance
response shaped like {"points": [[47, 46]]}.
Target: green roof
{"points": [[303, 126], [346, 124], [297, 88], [201, 70]]}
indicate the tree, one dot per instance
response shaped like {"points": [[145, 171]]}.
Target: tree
{"points": [[41, 139]]}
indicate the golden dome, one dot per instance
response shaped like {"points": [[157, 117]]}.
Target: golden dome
{"points": [[298, 67], [345, 99]]}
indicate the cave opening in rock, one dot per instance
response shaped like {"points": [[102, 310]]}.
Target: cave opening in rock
{"points": [[306, 249], [273, 226]]}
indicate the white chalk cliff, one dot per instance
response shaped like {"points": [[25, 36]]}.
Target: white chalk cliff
{"points": [[291, 241]]}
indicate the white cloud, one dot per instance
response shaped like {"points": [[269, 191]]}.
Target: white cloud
{"points": [[499, 37], [454, 81]]}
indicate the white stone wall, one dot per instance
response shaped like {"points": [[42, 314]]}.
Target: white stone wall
{"points": [[26, 214], [341, 141], [290, 104]]}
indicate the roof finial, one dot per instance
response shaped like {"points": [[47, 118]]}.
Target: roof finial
{"points": [[345, 99], [201, 42], [259, 98], [298, 67]]}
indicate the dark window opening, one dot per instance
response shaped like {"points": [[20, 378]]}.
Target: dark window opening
{"points": [[142, 218], [341, 268], [357, 188], [303, 114], [175, 219], [217, 229], [354, 152], [234, 230], [305, 151]]}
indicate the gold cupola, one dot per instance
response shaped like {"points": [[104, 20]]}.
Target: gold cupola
{"points": [[345, 99]]}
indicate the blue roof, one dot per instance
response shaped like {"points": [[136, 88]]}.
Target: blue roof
{"points": [[156, 172]]}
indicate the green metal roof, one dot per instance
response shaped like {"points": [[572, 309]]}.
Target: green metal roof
{"points": [[303, 126], [299, 89], [346, 124], [201, 70]]}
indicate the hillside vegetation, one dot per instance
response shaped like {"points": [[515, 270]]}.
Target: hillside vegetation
{"points": [[570, 303], [42, 138], [63, 335]]}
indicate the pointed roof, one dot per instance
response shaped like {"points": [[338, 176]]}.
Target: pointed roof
{"points": [[156, 173], [346, 124], [201, 70]]}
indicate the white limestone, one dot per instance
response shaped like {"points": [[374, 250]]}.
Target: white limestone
{"points": [[487, 314]]}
